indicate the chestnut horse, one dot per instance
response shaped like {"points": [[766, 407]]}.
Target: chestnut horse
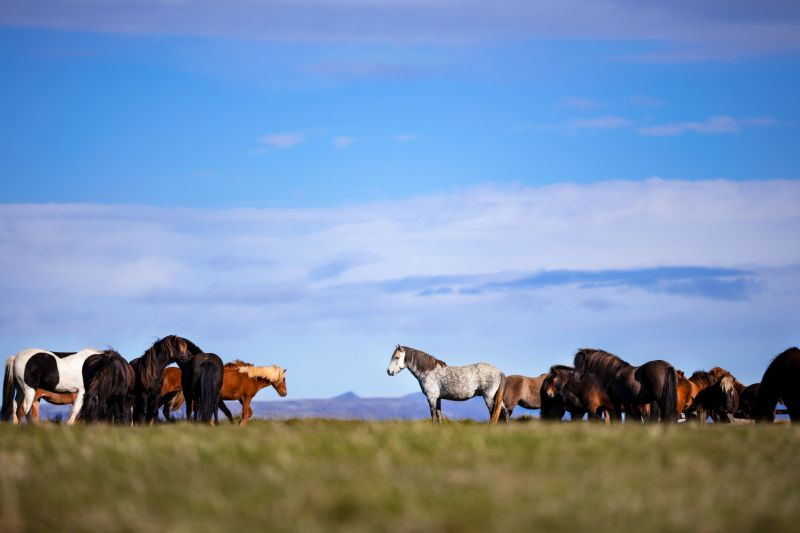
{"points": [[241, 381], [522, 391]]}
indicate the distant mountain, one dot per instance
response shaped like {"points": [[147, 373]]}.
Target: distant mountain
{"points": [[345, 406]]}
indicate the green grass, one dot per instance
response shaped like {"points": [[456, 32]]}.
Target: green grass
{"points": [[400, 476]]}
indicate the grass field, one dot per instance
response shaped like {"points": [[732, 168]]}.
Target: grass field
{"points": [[316, 475]]}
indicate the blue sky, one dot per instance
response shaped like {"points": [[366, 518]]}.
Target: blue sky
{"points": [[313, 182]]}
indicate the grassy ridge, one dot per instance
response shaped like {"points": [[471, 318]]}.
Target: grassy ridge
{"points": [[400, 476]]}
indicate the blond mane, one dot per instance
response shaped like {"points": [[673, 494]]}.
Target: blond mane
{"points": [[271, 373]]}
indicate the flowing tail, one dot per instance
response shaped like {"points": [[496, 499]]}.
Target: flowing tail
{"points": [[668, 403], [208, 393], [7, 412], [498, 400]]}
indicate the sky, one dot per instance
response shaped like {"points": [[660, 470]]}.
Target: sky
{"points": [[311, 183]]}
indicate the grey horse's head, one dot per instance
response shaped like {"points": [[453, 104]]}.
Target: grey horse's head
{"points": [[398, 361]]}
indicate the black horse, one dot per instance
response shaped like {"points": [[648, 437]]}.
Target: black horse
{"points": [[781, 381], [109, 380], [628, 386], [201, 380], [149, 374]]}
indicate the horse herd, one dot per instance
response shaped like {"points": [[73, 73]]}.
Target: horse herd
{"points": [[104, 387], [600, 385]]}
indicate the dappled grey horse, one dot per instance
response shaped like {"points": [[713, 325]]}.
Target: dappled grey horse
{"points": [[439, 381]]}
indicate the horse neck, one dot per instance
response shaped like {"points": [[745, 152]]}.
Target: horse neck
{"points": [[419, 374]]}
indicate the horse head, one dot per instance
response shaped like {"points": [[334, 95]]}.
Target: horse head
{"points": [[280, 384], [398, 361], [556, 380]]}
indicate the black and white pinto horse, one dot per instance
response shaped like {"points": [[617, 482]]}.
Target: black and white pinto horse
{"points": [[34, 369], [439, 381]]}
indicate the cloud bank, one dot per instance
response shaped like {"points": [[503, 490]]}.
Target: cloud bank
{"points": [[556, 266], [691, 30]]}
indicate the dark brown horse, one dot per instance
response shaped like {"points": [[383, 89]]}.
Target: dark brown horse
{"points": [[149, 373], [747, 401], [522, 391], [654, 383], [585, 389], [719, 401], [554, 407], [781, 382]]}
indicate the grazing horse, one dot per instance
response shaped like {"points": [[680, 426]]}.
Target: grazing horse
{"points": [[747, 401], [149, 373], [201, 382], [720, 400], [781, 381], [34, 369], [586, 389], [522, 391], [562, 401], [654, 382], [109, 388], [439, 381]]}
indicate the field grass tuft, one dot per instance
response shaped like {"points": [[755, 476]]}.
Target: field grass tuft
{"points": [[322, 475]]}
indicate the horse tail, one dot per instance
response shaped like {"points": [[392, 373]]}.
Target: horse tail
{"points": [[668, 403], [106, 378], [7, 411], [177, 401], [209, 392], [497, 409]]}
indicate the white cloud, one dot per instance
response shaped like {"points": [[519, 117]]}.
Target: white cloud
{"points": [[343, 141], [583, 104], [712, 126], [599, 123], [281, 141], [311, 281]]}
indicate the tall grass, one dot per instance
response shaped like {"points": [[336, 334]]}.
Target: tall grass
{"points": [[315, 475]]}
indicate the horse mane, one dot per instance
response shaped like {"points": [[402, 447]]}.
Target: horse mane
{"points": [[561, 368], [271, 373], [702, 378], [601, 364], [420, 360], [158, 356]]}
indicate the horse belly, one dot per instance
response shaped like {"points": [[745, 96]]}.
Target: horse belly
{"points": [[459, 386]]}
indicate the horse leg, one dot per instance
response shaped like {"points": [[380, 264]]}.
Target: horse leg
{"points": [[76, 407], [434, 405], [27, 403], [225, 410], [246, 411]]}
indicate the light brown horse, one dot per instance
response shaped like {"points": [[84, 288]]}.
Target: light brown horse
{"points": [[523, 391], [56, 398], [241, 381]]}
